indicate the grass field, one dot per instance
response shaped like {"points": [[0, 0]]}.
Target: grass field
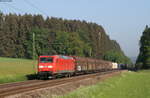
{"points": [[128, 85], [12, 70]]}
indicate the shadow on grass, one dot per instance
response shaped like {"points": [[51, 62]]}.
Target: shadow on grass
{"points": [[32, 76]]}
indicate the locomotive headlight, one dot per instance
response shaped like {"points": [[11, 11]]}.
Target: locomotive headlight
{"points": [[41, 66], [50, 66]]}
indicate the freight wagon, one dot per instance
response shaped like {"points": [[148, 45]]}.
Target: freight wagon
{"points": [[51, 66]]}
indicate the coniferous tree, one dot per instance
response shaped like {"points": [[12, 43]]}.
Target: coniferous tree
{"points": [[143, 60]]}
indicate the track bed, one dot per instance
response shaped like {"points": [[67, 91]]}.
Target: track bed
{"points": [[23, 87]]}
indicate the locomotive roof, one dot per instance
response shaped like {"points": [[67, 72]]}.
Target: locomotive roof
{"points": [[52, 55], [60, 56]]}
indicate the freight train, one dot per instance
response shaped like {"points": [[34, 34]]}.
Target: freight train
{"points": [[54, 65]]}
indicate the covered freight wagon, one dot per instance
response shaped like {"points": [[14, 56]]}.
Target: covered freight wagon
{"points": [[89, 64]]}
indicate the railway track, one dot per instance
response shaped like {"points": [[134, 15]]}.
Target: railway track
{"points": [[20, 87]]}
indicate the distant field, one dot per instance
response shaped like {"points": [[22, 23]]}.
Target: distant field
{"points": [[12, 70], [128, 85]]}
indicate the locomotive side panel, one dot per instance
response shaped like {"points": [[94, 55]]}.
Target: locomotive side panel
{"points": [[65, 64]]}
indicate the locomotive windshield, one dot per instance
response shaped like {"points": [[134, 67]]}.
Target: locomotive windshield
{"points": [[46, 59]]}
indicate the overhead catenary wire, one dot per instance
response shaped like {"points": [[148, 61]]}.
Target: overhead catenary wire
{"points": [[14, 8], [2, 9], [35, 7]]}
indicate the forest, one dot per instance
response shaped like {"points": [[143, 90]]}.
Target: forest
{"points": [[28, 36]]}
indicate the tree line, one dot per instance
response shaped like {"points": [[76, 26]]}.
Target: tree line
{"points": [[143, 60], [28, 36]]}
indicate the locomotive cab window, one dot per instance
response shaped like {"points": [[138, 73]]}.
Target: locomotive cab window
{"points": [[46, 60]]}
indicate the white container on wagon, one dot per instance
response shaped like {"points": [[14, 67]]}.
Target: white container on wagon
{"points": [[114, 65]]}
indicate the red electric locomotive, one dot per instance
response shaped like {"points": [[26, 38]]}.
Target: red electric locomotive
{"points": [[54, 65]]}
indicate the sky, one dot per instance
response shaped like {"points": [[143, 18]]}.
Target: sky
{"points": [[123, 20]]}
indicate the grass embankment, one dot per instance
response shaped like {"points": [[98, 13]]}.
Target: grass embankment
{"points": [[13, 70], [128, 85]]}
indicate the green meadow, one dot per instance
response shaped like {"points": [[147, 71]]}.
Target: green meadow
{"points": [[13, 70], [127, 85]]}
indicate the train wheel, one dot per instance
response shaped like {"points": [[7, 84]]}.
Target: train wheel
{"points": [[69, 75]]}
